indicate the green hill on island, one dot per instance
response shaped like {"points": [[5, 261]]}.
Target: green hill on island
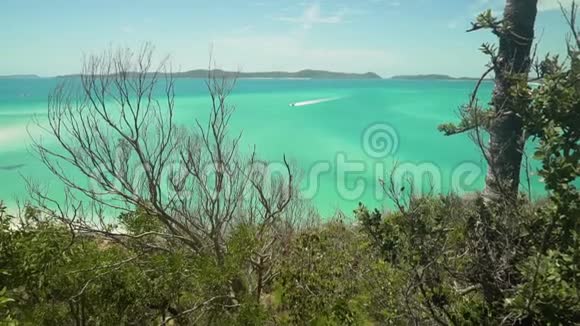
{"points": [[307, 73], [18, 76], [302, 74], [431, 77]]}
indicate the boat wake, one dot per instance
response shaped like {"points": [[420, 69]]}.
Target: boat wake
{"points": [[317, 101]]}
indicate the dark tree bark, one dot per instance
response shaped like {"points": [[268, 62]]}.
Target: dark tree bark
{"points": [[506, 143]]}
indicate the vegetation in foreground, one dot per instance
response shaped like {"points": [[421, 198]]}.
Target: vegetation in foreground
{"points": [[233, 247]]}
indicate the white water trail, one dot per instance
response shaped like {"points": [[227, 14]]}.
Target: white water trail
{"points": [[317, 101]]}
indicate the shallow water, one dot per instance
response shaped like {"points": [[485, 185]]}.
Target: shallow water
{"points": [[345, 135]]}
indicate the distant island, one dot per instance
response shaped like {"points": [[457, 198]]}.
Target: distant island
{"points": [[18, 76], [308, 73], [302, 74], [431, 77]]}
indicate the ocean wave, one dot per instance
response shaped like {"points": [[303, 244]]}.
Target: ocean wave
{"points": [[22, 112], [316, 101], [18, 135], [12, 166]]}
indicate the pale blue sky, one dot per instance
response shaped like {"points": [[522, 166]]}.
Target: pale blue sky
{"points": [[385, 36]]}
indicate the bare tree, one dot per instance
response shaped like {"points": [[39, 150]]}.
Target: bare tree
{"points": [[116, 126]]}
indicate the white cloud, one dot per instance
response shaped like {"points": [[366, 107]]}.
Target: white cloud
{"points": [[390, 3], [258, 3], [547, 5], [291, 53], [543, 5], [128, 29], [243, 29], [312, 15]]}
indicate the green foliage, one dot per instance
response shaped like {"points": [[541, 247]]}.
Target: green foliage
{"points": [[550, 291], [467, 262], [344, 282], [441, 260], [545, 259], [424, 246], [322, 280], [139, 221], [53, 276], [486, 20], [534, 277]]}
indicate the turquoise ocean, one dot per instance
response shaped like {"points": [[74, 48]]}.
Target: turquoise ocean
{"points": [[328, 134]]}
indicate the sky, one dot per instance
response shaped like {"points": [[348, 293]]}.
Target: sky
{"points": [[389, 37]]}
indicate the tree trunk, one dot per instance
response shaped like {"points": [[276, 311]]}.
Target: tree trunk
{"points": [[506, 143]]}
